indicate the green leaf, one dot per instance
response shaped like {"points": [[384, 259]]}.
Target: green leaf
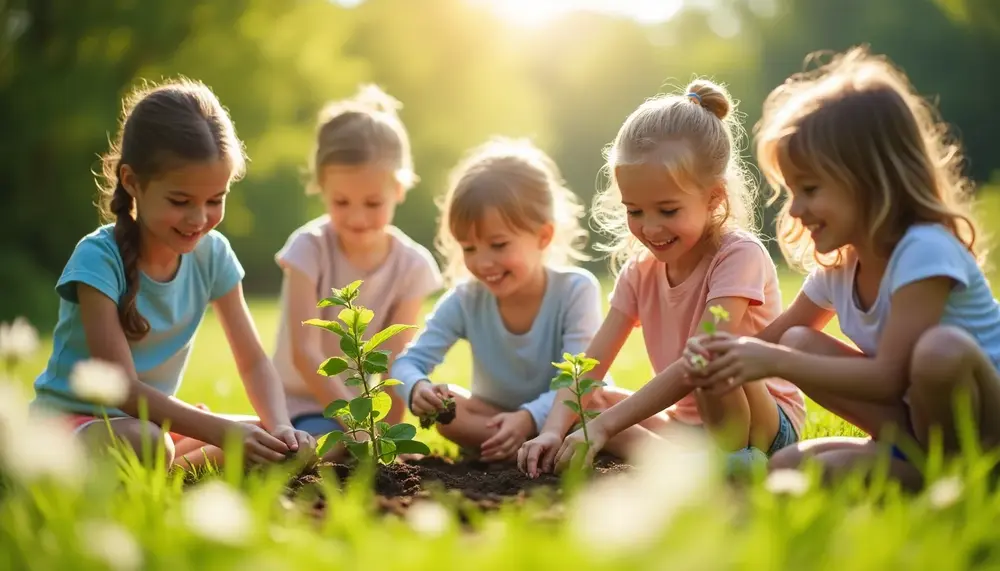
{"points": [[365, 316], [376, 362], [561, 381], [331, 301], [350, 291], [349, 316], [588, 364], [381, 403], [355, 381], [391, 382], [589, 414], [572, 406], [333, 409], [329, 441], [324, 324], [411, 447], [719, 313], [360, 407], [401, 431], [349, 347], [332, 366], [565, 367], [382, 427], [358, 449], [385, 335], [569, 357], [708, 327], [387, 450], [587, 385]]}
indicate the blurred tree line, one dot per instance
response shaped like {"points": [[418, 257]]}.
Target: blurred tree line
{"points": [[461, 73]]}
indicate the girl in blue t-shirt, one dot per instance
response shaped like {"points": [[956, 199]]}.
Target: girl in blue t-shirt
{"points": [[134, 292], [877, 204]]}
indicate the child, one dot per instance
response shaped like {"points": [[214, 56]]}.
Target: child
{"points": [[875, 197], [362, 169], [678, 207], [510, 223], [134, 292]]}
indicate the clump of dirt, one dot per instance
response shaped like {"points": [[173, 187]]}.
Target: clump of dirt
{"points": [[439, 417]]}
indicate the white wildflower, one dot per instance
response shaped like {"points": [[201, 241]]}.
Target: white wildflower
{"points": [[786, 481], [111, 544], [13, 406], [218, 513], [18, 340], [945, 492], [99, 382], [46, 448], [427, 518]]}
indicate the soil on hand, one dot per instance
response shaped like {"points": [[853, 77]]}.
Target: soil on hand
{"points": [[477, 485]]}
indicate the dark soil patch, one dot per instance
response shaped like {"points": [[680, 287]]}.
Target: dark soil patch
{"points": [[472, 484]]}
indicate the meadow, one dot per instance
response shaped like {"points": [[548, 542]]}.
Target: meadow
{"points": [[58, 510]]}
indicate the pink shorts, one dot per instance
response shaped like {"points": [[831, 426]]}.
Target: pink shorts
{"points": [[80, 421]]}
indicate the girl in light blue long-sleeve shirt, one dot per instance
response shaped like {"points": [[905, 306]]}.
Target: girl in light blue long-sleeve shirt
{"points": [[509, 227]]}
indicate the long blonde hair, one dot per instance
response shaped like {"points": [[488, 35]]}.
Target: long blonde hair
{"points": [[858, 123], [524, 185], [696, 136], [360, 130]]}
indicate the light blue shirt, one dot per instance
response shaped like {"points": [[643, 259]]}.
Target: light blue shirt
{"points": [[174, 310], [509, 371], [925, 251]]}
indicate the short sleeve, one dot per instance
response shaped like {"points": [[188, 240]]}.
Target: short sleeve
{"points": [[226, 268], [583, 313], [625, 295], [741, 270], [302, 252], [96, 262], [928, 252], [817, 287], [424, 277]]}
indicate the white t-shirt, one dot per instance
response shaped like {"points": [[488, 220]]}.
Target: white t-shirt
{"points": [[925, 251]]}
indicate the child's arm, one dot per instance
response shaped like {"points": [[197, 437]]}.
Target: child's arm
{"points": [[255, 368], [106, 341], [443, 328], [914, 309], [307, 353]]}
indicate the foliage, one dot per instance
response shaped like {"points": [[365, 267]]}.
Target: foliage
{"points": [[571, 372], [719, 314], [367, 437]]}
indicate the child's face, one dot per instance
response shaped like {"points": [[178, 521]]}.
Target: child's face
{"points": [[667, 219], [827, 211], [503, 258], [180, 206], [361, 201]]}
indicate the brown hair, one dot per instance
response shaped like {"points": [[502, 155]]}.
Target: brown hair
{"points": [[857, 122], [162, 126], [524, 185], [360, 130], [695, 135]]}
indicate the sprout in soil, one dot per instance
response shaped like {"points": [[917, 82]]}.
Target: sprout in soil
{"points": [[439, 416], [381, 442], [719, 314], [571, 370]]}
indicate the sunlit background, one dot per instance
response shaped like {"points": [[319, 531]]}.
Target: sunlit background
{"points": [[562, 72]]}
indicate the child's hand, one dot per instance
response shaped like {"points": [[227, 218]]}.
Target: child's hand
{"points": [[260, 447], [736, 360], [296, 440], [696, 357], [538, 454], [570, 444], [513, 428], [427, 398]]}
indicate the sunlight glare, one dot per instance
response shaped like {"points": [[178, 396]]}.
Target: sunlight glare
{"points": [[531, 13]]}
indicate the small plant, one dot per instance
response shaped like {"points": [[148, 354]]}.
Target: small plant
{"points": [[362, 415], [571, 370], [719, 314], [439, 416]]}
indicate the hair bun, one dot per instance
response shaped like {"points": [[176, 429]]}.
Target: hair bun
{"points": [[711, 96]]}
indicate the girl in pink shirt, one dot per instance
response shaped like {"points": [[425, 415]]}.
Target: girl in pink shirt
{"points": [[678, 209]]}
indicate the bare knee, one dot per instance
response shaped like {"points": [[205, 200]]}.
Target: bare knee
{"points": [[940, 360], [788, 458], [147, 438]]}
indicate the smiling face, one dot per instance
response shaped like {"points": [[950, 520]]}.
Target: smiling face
{"points": [[503, 258], [669, 220], [178, 207], [826, 209]]}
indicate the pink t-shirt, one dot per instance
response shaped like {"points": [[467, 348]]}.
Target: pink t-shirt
{"points": [[408, 272], [670, 315]]}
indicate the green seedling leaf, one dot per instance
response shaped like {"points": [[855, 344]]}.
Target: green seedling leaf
{"points": [[332, 301], [561, 381], [568, 368], [332, 326], [333, 366], [334, 409], [572, 406], [401, 431], [361, 407], [349, 347], [329, 441], [587, 385], [350, 291], [376, 362], [349, 316], [411, 447], [391, 382], [381, 403], [385, 335], [387, 450], [383, 427], [355, 382], [589, 414], [358, 449]]}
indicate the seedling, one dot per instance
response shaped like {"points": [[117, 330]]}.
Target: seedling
{"points": [[439, 416], [719, 314], [367, 437], [571, 370]]}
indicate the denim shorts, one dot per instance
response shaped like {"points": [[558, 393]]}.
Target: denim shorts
{"points": [[786, 435], [315, 424]]}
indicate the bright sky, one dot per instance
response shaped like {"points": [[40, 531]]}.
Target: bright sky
{"points": [[539, 12]]}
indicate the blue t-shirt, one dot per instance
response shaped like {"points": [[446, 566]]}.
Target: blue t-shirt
{"points": [[174, 310], [511, 371], [925, 251]]}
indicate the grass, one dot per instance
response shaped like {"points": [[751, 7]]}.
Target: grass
{"points": [[119, 515]]}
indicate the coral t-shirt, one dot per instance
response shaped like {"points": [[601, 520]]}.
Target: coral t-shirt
{"points": [[670, 315]]}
